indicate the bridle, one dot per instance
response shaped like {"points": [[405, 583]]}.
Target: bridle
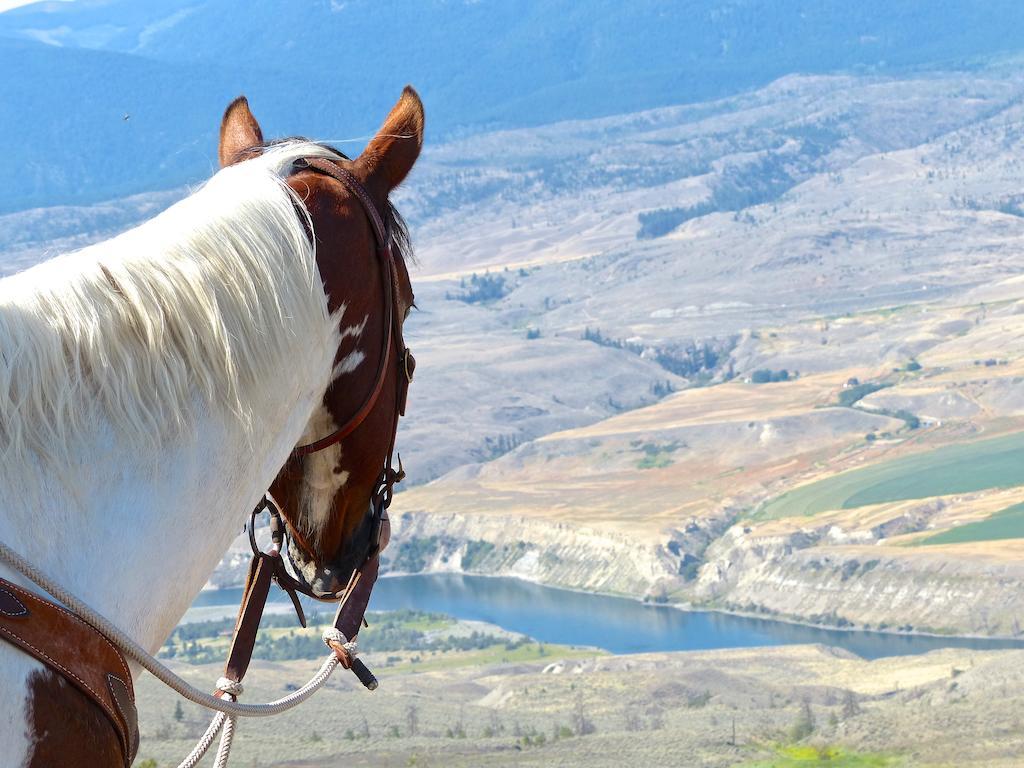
{"points": [[274, 565], [393, 348]]}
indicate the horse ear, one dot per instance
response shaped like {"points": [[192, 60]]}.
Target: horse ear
{"points": [[390, 155], [239, 132]]}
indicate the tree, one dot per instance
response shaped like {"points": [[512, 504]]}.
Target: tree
{"points": [[580, 722], [804, 725], [851, 707], [412, 719], [179, 713]]}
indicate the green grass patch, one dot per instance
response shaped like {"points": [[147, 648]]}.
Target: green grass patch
{"points": [[498, 653], [280, 638], [848, 397], [963, 468], [1006, 524], [804, 756], [656, 455]]}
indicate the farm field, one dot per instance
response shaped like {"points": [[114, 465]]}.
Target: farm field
{"points": [[964, 468], [832, 757], [1007, 524]]}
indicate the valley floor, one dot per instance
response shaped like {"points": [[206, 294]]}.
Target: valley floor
{"points": [[792, 706]]}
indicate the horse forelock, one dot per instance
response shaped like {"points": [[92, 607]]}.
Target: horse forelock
{"points": [[190, 310]]}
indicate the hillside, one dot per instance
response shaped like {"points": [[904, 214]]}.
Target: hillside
{"points": [[118, 97], [879, 273], [680, 327]]}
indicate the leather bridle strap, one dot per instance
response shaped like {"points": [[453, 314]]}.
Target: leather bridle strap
{"points": [[267, 566], [392, 322]]}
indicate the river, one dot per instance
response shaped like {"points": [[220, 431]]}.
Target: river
{"points": [[615, 624]]}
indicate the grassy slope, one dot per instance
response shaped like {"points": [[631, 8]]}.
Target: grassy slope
{"points": [[1007, 524], [975, 466]]}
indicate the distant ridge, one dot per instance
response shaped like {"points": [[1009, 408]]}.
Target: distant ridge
{"points": [[110, 98]]}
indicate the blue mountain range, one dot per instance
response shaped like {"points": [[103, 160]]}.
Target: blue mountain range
{"points": [[100, 98]]}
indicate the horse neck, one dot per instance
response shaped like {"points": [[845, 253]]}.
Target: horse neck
{"points": [[137, 533]]}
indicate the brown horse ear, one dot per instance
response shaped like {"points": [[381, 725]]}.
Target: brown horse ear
{"points": [[391, 154], [239, 132]]}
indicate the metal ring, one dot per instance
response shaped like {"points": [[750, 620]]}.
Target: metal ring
{"points": [[252, 527]]}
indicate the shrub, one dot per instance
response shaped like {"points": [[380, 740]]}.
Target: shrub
{"points": [[765, 376]]}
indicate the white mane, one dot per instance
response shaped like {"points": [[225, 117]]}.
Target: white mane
{"points": [[196, 304]]}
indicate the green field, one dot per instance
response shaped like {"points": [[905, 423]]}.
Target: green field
{"points": [[964, 468], [1007, 524], [805, 756]]}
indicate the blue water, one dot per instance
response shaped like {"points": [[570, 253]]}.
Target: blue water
{"points": [[614, 624]]}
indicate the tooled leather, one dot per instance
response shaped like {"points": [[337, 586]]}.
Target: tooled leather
{"points": [[77, 651]]}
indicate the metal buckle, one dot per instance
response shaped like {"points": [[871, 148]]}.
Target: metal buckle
{"points": [[409, 363]]}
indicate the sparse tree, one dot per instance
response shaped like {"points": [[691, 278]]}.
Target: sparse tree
{"points": [[412, 719], [497, 727], [633, 721], [582, 725], [851, 707], [804, 725]]}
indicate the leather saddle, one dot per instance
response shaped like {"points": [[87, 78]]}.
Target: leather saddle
{"points": [[76, 651]]}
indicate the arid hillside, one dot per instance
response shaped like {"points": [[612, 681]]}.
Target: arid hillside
{"points": [[754, 708]]}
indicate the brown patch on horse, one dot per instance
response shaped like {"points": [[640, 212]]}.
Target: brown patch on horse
{"points": [[68, 728]]}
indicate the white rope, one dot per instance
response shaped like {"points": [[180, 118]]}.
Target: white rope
{"points": [[201, 747], [334, 635], [228, 732], [225, 743], [156, 668], [220, 721]]}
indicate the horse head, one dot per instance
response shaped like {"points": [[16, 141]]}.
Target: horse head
{"points": [[333, 490]]}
